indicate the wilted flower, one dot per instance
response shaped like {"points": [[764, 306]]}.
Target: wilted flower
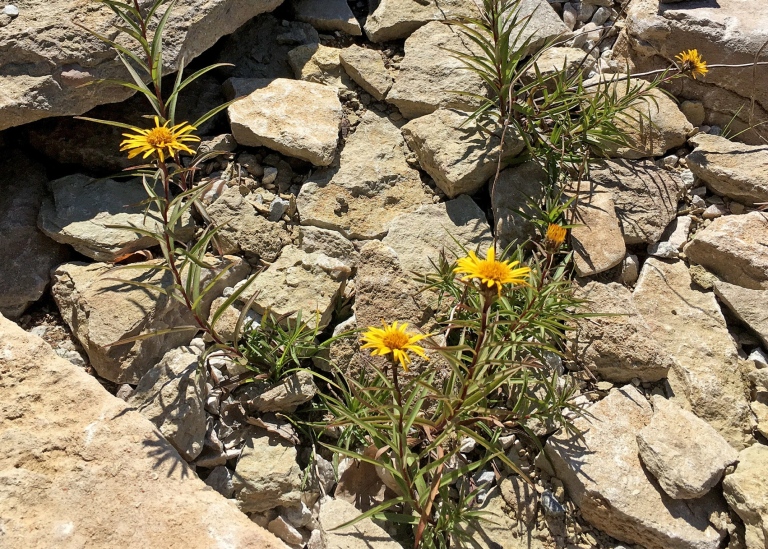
{"points": [[160, 140], [491, 272], [394, 340], [691, 62], [555, 236]]}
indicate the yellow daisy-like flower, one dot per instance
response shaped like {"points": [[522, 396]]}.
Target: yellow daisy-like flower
{"points": [[691, 61], [555, 235], [160, 140], [394, 340], [491, 272]]}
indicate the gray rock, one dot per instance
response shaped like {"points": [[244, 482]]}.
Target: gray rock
{"points": [[60, 56], [746, 491], [366, 68], [267, 475], [335, 512], [630, 270], [459, 155], [734, 248], [429, 76], [285, 531], [617, 348], [597, 241], [512, 195], [370, 187], [80, 210], [685, 454], [603, 474], [293, 391], [421, 236], [171, 396], [397, 19], [78, 458], [275, 116], [748, 305], [730, 169], [706, 377], [673, 239], [644, 195], [100, 310], [327, 15], [330, 243], [27, 255], [220, 479]]}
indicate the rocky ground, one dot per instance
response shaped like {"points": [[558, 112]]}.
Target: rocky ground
{"points": [[345, 165]]}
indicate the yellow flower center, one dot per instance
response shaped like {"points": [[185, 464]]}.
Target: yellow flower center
{"points": [[492, 270], [160, 137], [395, 339]]}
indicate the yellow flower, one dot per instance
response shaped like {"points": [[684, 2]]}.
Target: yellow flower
{"points": [[555, 235], [491, 272], [160, 140], [395, 340], [691, 61]]}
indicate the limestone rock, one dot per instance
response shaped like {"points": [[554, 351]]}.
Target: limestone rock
{"points": [[748, 305], [706, 377], [516, 188], [60, 57], [730, 169], [327, 15], [746, 490], [293, 391], [243, 230], [458, 155], [652, 125], [370, 186], [657, 33], [429, 76], [645, 197], [597, 242], [171, 395], [330, 243], [259, 49], [319, 64], [80, 210], [551, 62], [617, 348], [27, 255], [685, 454], [77, 459], [734, 248], [397, 19], [267, 475], [366, 68], [674, 237], [419, 237], [335, 512], [275, 116], [300, 282], [604, 477], [101, 311]]}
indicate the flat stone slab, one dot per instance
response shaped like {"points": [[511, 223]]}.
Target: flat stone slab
{"points": [[277, 116], [597, 241], [366, 67], [746, 491], [80, 468], [327, 15], [397, 19], [751, 306]]}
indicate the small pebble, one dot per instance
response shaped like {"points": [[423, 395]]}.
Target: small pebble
{"points": [[11, 10], [714, 211], [689, 180], [551, 506], [270, 175], [467, 445], [601, 16], [760, 357]]}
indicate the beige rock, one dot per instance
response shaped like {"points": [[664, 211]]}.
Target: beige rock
{"points": [[80, 210], [366, 68], [171, 395], [746, 491], [730, 169], [60, 56], [748, 305], [397, 19], [101, 311], [617, 348], [694, 112], [293, 391], [685, 454], [645, 196], [597, 242], [511, 196], [604, 477], [319, 64], [275, 116], [733, 247], [267, 475], [706, 377], [429, 76], [652, 125], [27, 255], [551, 62], [327, 15], [370, 187], [335, 512], [420, 237], [77, 459], [458, 155]]}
